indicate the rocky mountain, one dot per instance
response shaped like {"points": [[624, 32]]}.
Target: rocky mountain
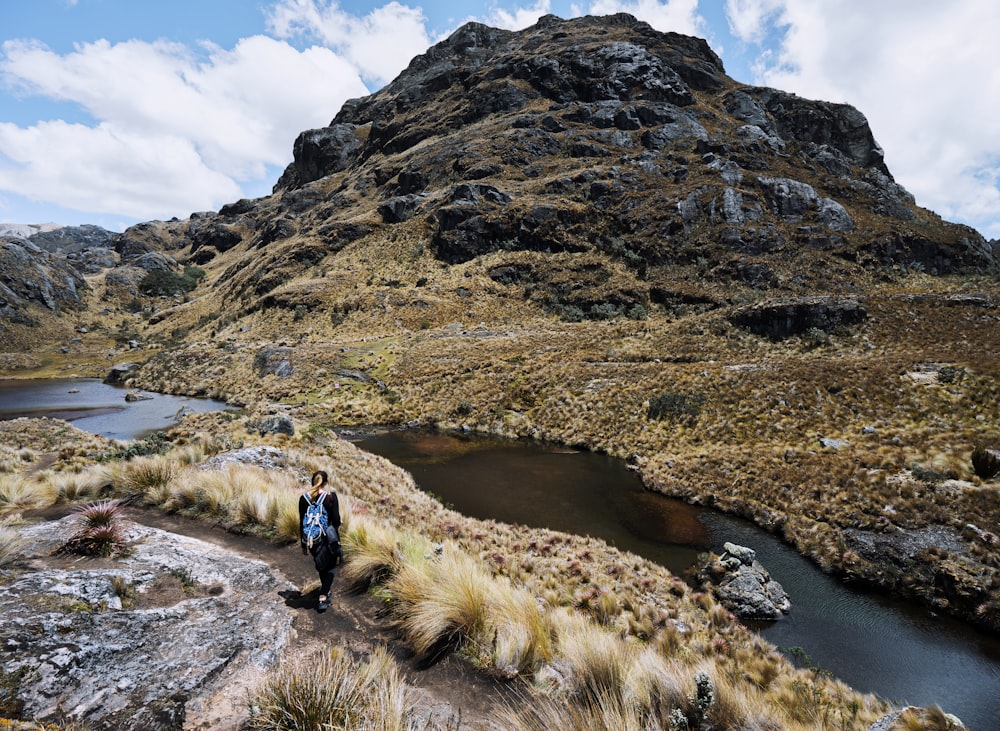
{"points": [[586, 232]]}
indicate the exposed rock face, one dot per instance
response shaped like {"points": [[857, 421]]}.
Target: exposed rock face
{"points": [[120, 372], [92, 658], [626, 109], [595, 135], [73, 239], [31, 276], [785, 317]]}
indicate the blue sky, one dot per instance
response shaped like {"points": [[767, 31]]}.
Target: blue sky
{"points": [[119, 111]]}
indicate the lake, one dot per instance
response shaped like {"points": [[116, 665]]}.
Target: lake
{"points": [[96, 407]]}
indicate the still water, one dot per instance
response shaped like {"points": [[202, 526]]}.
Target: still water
{"points": [[902, 653], [94, 406]]}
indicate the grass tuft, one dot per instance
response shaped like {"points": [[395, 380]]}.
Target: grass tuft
{"points": [[331, 690]]}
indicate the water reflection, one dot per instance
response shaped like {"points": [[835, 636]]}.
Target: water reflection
{"points": [[876, 645]]}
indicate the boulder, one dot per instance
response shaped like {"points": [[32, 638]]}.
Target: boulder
{"points": [[743, 585], [320, 152], [276, 424], [120, 373]]}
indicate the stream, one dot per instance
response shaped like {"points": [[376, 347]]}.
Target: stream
{"points": [[901, 652]]}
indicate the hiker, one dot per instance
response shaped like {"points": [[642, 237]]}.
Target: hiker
{"points": [[319, 524]]}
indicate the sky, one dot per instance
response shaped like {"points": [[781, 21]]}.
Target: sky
{"points": [[114, 112]]}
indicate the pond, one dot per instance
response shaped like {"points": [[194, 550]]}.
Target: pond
{"points": [[903, 653], [96, 407]]}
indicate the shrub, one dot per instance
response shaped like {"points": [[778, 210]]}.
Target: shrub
{"points": [[672, 406], [165, 282], [986, 462]]}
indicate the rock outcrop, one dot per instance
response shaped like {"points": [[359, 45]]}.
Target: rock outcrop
{"points": [[744, 586], [30, 276], [153, 659]]}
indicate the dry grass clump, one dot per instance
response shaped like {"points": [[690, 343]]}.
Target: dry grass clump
{"points": [[146, 480], [22, 493], [11, 544], [90, 483], [332, 689]]}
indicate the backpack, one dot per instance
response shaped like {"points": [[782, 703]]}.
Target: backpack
{"points": [[315, 522]]}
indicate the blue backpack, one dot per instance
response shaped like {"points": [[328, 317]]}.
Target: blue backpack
{"points": [[315, 522]]}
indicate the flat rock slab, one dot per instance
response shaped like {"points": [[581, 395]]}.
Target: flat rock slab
{"points": [[200, 629]]}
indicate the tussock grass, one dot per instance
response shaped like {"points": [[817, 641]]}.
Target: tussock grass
{"points": [[24, 493], [146, 480], [592, 661], [444, 600], [88, 484], [330, 689], [377, 552], [11, 545]]}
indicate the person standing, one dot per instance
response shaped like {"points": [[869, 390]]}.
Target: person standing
{"points": [[324, 547]]}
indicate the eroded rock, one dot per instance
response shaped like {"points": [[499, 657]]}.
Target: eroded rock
{"points": [[92, 656]]}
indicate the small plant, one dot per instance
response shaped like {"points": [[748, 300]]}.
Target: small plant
{"points": [[673, 406], [183, 574], [986, 462], [124, 590], [99, 531]]}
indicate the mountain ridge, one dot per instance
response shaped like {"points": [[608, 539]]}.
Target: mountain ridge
{"points": [[585, 232]]}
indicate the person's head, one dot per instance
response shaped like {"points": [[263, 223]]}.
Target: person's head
{"points": [[319, 481]]}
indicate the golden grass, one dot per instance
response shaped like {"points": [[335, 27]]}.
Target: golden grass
{"points": [[11, 544], [22, 493], [629, 654], [332, 689], [442, 600], [90, 483]]}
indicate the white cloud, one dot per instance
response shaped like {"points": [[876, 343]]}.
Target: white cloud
{"points": [[518, 17], [108, 169], [380, 44], [923, 73], [676, 16], [175, 130], [748, 18]]}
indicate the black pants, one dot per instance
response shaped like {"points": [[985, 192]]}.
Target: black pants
{"points": [[325, 557]]}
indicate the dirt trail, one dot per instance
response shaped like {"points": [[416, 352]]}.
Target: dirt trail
{"points": [[449, 691]]}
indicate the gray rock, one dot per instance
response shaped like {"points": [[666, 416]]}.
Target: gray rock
{"points": [[32, 276], [745, 555], [320, 152], [743, 585], [94, 660], [267, 458], [276, 424], [120, 373], [749, 592], [781, 318]]}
